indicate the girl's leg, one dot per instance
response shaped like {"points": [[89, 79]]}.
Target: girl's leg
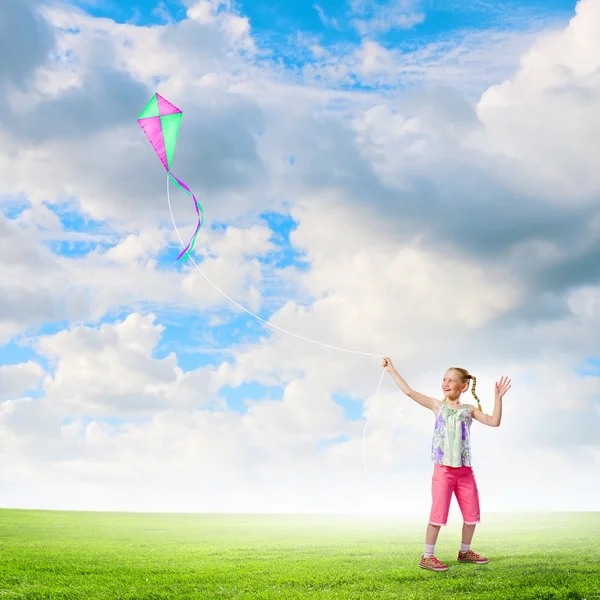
{"points": [[430, 539], [432, 533], [467, 495], [428, 560], [467, 533], [443, 482], [442, 487]]}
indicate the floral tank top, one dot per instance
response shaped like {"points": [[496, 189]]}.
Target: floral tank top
{"points": [[451, 445]]}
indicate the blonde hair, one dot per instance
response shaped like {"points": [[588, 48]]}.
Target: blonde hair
{"points": [[466, 376]]}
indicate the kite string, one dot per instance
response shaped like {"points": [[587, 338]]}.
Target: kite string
{"points": [[367, 421], [250, 312], [281, 328]]}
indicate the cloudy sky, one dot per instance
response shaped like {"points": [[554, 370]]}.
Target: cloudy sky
{"points": [[406, 178]]}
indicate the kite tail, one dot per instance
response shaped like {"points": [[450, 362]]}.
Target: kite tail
{"points": [[185, 252]]}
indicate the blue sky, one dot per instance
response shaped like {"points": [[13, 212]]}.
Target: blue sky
{"points": [[371, 198], [276, 26], [290, 18]]}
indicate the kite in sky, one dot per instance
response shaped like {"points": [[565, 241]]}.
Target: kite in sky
{"points": [[160, 122]]}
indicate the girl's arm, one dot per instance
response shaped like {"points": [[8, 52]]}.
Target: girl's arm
{"points": [[494, 421], [432, 404]]}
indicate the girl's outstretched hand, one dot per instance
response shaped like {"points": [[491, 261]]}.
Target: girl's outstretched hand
{"points": [[502, 387], [387, 364]]}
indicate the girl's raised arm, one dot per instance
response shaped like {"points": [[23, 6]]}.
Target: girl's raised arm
{"points": [[432, 404]]}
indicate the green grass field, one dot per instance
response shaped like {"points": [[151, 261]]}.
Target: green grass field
{"points": [[47, 554]]}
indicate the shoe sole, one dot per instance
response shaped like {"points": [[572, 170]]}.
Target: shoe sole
{"points": [[431, 569], [475, 562]]}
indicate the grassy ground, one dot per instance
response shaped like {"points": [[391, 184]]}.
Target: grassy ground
{"points": [[70, 555]]}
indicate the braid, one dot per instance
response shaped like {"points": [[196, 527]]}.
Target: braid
{"points": [[473, 390]]}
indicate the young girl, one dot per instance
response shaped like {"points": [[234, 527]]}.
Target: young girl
{"points": [[451, 455]]}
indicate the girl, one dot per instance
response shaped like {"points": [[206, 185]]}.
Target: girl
{"points": [[451, 455]]}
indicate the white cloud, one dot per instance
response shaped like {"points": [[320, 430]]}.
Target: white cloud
{"points": [[203, 11], [544, 119], [585, 304], [383, 17], [42, 286], [375, 58], [17, 379], [469, 60], [327, 21]]}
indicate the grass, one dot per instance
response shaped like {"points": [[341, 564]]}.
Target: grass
{"points": [[69, 555]]}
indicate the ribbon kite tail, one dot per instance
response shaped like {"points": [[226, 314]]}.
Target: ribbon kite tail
{"points": [[186, 251]]}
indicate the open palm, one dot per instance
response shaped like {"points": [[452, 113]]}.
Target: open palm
{"points": [[502, 386]]}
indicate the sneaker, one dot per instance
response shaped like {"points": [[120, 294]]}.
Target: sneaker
{"points": [[432, 563], [472, 557]]}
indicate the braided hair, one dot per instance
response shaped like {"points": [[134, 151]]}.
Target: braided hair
{"points": [[466, 376]]}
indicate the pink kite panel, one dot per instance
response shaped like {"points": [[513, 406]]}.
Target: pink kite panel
{"points": [[153, 130], [165, 107]]}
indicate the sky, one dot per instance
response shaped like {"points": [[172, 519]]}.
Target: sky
{"points": [[398, 178]]}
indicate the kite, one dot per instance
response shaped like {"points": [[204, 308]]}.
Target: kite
{"points": [[160, 122]]}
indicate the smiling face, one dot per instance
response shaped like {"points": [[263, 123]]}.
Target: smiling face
{"points": [[453, 386]]}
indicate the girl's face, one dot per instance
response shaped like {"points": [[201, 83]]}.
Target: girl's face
{"points": [[452, 385]]}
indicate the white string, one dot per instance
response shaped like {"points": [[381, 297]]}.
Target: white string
{"points": [[367, 421], [245, 309], [281, 328]]}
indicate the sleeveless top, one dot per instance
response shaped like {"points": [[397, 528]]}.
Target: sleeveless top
{"points": [[451, 445]]}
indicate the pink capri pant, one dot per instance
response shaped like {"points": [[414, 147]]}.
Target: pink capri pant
{"points": [[461, 481]]}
